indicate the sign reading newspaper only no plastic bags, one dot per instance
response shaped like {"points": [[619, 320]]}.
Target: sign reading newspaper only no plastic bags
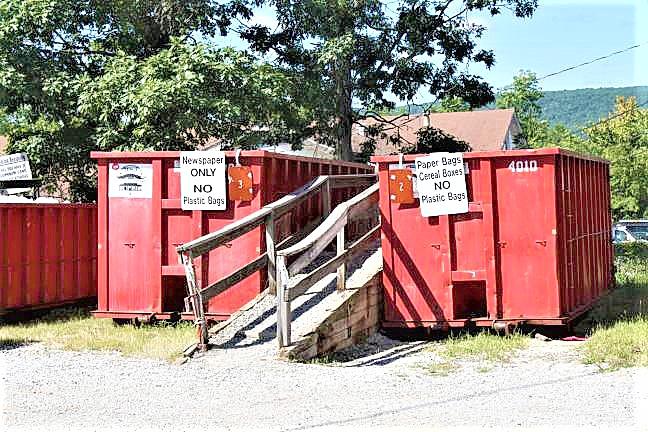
{"points": [[441, 183], [202, 180]]}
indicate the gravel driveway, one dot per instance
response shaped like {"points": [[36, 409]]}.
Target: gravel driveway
{"points": [[544, 386]]}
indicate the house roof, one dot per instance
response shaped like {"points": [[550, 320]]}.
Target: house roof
{"points": [[483, 130]]}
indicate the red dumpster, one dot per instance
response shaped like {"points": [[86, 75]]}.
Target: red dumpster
{"points": [[139, 272], [48, 255], [534, 247]]}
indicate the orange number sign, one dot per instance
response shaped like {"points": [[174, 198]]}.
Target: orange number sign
{"points": [[239, 184], [400, 186]]}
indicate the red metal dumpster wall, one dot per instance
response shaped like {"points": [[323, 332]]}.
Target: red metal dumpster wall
{"points": [[139, 273], [48, 254], [534, 246]]}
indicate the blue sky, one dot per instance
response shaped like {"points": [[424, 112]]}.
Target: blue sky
{"points": [[561, 33]]}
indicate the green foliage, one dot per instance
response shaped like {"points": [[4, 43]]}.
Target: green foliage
{"points": [[361, 50], [577, 108], [432, 140], [622, 139], [77, 76]]}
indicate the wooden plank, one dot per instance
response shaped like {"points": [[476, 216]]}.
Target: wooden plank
{"points": [[329, 227], [352, 180], [323, 240], [237, 276], [290, 201], [304, 284], [204, 244]]}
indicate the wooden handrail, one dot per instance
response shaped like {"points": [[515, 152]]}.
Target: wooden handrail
{"points": [[266, 215], [310, 247]]}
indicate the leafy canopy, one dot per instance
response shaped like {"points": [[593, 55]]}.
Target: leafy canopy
{"points": [[85, 75], [368, 51]]}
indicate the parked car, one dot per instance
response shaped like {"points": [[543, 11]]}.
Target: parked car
{"points": [[630, 231]]}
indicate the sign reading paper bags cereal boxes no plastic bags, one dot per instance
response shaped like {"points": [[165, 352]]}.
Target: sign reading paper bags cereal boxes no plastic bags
{"points": [[441, 184], [202, 180]]}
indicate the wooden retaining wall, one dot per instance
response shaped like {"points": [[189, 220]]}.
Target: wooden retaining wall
{"points": [[355, 316]]}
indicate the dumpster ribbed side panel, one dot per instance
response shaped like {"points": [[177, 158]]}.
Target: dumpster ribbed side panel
{"points": [[48, 254], [586, 252]]}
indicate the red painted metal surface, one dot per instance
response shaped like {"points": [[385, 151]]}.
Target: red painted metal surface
{"points": [[535, 245], [139, 272], [48, 255]]}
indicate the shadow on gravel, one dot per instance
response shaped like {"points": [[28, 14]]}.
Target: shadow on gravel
{"points": [[10, 344], [466, 397]]}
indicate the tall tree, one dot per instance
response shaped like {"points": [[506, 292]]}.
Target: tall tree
{"points": [[81, 75], [365, 50], [524, 96], [621, 138]]}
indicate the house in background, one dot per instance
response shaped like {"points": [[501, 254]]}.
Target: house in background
{"points": [[486, 130], [3, 144]]}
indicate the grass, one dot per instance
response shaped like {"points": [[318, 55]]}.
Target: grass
{"points": [[484, 347], [76, 330], [618, 325]]}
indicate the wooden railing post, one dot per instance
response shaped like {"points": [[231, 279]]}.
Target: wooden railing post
{"points": [[270, 250], [326, 199], [341, 271], [283, 304], [196, 302]]}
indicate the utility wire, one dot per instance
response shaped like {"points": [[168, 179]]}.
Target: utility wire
{"points": [[592, 61]]}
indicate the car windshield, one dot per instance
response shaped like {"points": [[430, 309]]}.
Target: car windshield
{"points": [[640, 232]]}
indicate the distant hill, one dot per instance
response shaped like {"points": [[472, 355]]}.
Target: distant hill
{"points": [[575, 108]]}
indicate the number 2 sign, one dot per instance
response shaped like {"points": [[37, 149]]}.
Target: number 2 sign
{"points": [[401, 188]]}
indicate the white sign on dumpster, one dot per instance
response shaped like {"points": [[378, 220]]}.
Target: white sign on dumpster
{"points": [[202, 180], [130, 180], [441, 183], [15, 167]]}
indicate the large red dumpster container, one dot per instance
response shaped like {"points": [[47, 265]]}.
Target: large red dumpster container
{"points": [[139, 272], [535, 246], [48, 255]]}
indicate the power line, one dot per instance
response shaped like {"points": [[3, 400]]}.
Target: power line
{"points": [[592, 61]]}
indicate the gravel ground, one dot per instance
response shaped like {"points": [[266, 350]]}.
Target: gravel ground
{"points": [[383, 387]]}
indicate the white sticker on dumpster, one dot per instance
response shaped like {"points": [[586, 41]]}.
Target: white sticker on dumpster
{"points": [[202, 180], [130, 180], [441, 183]]}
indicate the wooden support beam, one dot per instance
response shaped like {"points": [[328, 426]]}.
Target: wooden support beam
{"points": [[204, 244], [227, 282]]}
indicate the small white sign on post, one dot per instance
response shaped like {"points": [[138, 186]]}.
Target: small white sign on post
{"points": [[441, 183], [15, 167], [202, 180]]}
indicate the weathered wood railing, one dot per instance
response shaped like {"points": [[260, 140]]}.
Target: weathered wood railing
{"points": [[266, 216], [305, 251]]}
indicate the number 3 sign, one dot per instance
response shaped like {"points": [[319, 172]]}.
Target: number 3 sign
{"points": [[401, 189], [239, 184]]}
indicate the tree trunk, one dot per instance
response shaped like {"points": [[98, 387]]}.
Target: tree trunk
{"points": [[344, 119]]}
